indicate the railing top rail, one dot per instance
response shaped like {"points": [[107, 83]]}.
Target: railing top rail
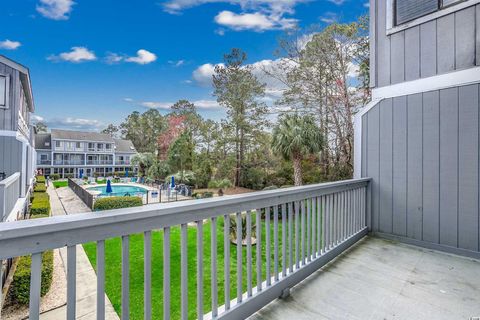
{"points": [[10, 180], [30, 236]]}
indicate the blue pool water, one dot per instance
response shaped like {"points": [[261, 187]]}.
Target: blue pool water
{"points": [[119, 190]]}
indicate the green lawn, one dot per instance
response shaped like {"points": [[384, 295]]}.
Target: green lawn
{"points": [[60, 184], [113, 269]]}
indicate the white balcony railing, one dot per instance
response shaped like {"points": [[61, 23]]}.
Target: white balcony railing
{"points": [[9, 194], [99, 162], [310, 226]]}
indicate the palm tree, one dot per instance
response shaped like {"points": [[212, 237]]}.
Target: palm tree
{"points": [[295, 137], [143, 161]]}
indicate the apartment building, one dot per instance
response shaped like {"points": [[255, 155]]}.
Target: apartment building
{"points": [[74, 153]]}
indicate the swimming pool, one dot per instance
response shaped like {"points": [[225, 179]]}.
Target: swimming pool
{"points": [[119, 191]]}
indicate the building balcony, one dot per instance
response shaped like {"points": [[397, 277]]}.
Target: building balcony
{"points": [[316, 232], [99, 162], [122, 162], [44, 162], [68, 162]]}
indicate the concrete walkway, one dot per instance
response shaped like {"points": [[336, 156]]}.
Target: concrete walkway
{"points": [[380, 280], [64, 201]]}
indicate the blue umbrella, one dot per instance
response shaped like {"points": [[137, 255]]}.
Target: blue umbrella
{"points": [[126, 173], [173, 182], [109, 187], [81, 174]]}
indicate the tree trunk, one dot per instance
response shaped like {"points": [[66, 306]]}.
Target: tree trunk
{"points": [[297, 170]]}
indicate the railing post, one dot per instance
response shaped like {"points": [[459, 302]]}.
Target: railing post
{"points": [[368, 206]]}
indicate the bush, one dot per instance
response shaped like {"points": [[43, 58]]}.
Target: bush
{"points": [[220, 184], [59, 184], [40, 204], [55, 176], [109, 203], [69, 176], [40, 187], [39, 195], [40, 179], [21, 279], [270, 188]]}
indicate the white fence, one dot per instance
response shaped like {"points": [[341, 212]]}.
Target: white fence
{"points": [[9, 194]]}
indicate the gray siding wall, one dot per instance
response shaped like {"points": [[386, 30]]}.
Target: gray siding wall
{"points": [[422, 152], [439, 46], [9, 116], [10, 155]]}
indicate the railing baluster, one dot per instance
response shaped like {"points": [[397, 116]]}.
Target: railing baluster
{"points": [[275, 243], [309, 231], [249, 253], [284, 240], [302, 219], [357, 208], [71, 281], [147, 274], [364, 207], [297, 234], [344, 223], [335, 219], [101, 280], [354, 212], [331, 221], [213, 259], [268, 245], [259, 249], [35, 282], [226, 261], [1, 285], [319, 225], [324, 224], [184, 271], [166, 273], [314, 227], [290, 236], [200, 269], [125, 278], [239, 257]]}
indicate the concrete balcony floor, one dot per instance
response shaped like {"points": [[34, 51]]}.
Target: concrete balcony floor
{"points": [[379, 279]]}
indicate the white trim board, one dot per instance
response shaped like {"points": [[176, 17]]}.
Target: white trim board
{"points": [[443, 81]]}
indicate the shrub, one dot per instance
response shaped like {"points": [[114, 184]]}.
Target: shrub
{"points": [[59, 184], [270, 188], [207, 195], [55, 176], [39, 195], [220, 184], [40, 179], [40, 204], [69, 176], [21, 279], [40, 187], [109, 203]]}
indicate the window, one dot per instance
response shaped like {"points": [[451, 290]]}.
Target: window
{"points": [[91, 146], [58, 144], [108, 146], [47, 144], [4, 91], [100, 146], [408, 10], [43, 157]]}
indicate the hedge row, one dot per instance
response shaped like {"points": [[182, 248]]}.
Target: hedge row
{"points": [[40, 179], [109, 203], [21, 279], [40, 187], [40, 204]]}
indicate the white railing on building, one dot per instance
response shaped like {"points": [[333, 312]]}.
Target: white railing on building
{"points": [[310, 226], [9, 194]]}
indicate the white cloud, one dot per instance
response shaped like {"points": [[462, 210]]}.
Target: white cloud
{"points": [[36, 118], [200, 104], [55, 9], [128, 99], [113, 58], [257, 15], [253, 21], [337, 2], [329, 17], [75, 123], [76, 55], [203, 74], [9, 45], [178, 63], [143, 57]]}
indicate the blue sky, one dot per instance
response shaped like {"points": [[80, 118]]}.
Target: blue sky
{"points": [[93, 62]]}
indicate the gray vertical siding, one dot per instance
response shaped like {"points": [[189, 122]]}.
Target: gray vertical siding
{"points": [[10, 155], [439, 46], [9, 116], [422, 152]]}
